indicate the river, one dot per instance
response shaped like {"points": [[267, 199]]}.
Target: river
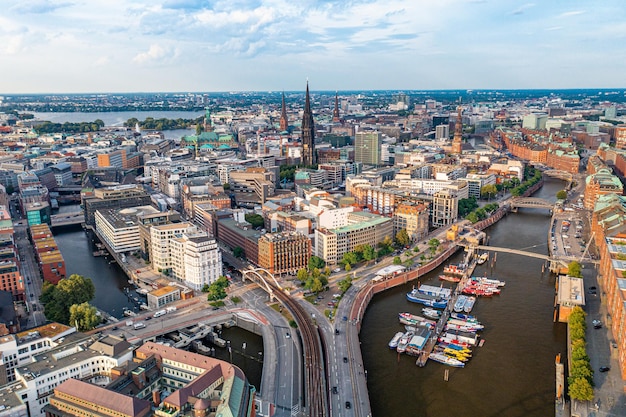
{"points": [[513, 374]]}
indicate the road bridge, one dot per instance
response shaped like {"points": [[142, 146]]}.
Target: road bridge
{"points": [[530, 202], [562, 175], [66, 219]]}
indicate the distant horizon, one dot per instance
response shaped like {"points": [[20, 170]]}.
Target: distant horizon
{"points": [[313, 90]]}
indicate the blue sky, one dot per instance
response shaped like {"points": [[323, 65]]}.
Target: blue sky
{"points": [[224, 45]]}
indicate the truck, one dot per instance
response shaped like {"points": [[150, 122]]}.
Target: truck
{"points": [[171, 309], [159, 313], [139, 325]]}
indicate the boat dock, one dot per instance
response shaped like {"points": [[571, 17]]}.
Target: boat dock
{"points": [[445, 315]]}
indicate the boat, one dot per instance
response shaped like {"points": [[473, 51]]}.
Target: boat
{"points": [[413, 320], [469, 324], [446, 360], [460, 303], [455, 269], [462, 316], [431, 313], [469, 304], [393, 343], [428, 300], [404, 341], [489, 281], [482, 258], [459, 336], [449, 278], [436, 291]]}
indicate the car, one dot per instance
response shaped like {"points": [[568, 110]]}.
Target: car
{"points": [[345, 359], [336, 331], [596, 322], [344, 318], [593, 287], [348, 405], [604, 368], [614, 344], [148, 318], [287, 335], [32, 295], [593, 292], [335, 390], [114, 328]]}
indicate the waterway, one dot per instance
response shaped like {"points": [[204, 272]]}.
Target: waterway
{"points": [[111, 283], [513, 374]]}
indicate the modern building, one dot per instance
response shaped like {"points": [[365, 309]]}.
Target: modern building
{"points": [[38, 213], [119, 228], [121, 196], [239, 234], [162, 296], [196, 259], [442, 132], [285, 252], [476, 182], [367, 147], [160, 241], [445, 208]]}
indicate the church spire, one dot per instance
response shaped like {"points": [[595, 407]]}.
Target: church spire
{"points": [[308, 132], [284, 122], [336, 111]]}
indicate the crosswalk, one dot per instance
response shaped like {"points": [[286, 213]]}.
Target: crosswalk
{"points": [[295, 410]]}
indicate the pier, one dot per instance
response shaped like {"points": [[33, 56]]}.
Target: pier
{"points": [[445, 315]]}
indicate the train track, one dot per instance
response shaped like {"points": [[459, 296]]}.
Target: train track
{"points": [[315, 382]]}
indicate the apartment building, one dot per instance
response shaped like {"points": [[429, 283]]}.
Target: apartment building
{"points": [[160, 247], [196, 260], [412, 217], [445, 208]]}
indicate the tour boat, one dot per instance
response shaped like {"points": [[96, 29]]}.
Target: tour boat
{"points": [[454, 269], [446, 360], [428, 300], [482, 258], [431, 313]]}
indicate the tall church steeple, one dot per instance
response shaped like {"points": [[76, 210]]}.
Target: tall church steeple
{"points": [[336, 118], [308, 132], [457, 142], [284, 123]]}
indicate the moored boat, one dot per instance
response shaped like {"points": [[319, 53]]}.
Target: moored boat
{"points": [[446, 360], [413, 320], [454, 269], [435, 291], [460, 303], [449, 278], [469, 304], [404, 341], [431, 313], [393, 343], [428, 300], [482, 258]]}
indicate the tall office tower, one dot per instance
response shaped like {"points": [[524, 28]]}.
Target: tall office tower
{"points": [[367, 146], [284, 123], [336, 111], [457, 142], [308, 132]]}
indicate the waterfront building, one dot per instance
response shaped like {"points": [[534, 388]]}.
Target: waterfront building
{"points": [[512, 169], [601, 183], [367, 147], [570, 294], [49, 257], [38, 213], [196, 260], [284, 252], [162, 296], [362, 228], [121, 196], [412, 217], [476, 182], [308, 132], [120, 228]]}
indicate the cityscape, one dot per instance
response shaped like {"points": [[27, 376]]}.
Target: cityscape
{"points": [[281, 216]]}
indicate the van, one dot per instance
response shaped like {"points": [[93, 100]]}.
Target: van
{"points": [[170, 309], [129, 322], [139, 326], [336, 269], [159, 313]]}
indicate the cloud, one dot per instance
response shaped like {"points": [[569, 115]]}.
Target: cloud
{"points": [[554, 28], [39, 6], [156, 54], [572, 13], [522, 8]]}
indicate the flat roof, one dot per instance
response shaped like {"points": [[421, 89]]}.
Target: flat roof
{"points": [[163, 291], [571, 291]]}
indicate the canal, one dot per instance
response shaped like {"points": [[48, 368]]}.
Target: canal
{"points": [[110, 283], [513, 374]]}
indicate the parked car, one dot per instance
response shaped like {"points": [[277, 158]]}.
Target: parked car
{"points": [[605, 368], [345, 360], [348, 405]]}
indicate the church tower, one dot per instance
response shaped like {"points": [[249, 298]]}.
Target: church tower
{"points": [[308, 132], [207, 120], [457, 142], [284, 123], [336, 118]]}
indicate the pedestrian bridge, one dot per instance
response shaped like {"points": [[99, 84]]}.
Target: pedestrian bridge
{"points": [[530, 202]]}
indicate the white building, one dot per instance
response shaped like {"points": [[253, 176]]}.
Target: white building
{"points": [[478, 181], [85, 358], [442, 132], [334, 218], [196, 260], [120, 228], [160, 239]]}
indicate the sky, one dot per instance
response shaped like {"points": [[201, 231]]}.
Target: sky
{"points": [[81, 46]]}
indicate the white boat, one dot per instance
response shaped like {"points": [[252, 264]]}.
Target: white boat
{"points": [[393, 343], [469, 304], [404, 341], [482, 258], [460, 303], [446, 360], [431, 313]]}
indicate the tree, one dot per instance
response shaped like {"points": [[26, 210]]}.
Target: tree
{"points": [[402, 238], [217, 289], [347, 268], [433, 244], [397, 260], [574, 270], [369, 253], [472, 217], [199, 129], [256, 220], [561, 195], [59, 298], [349, 258], [488, 191], [84, 317], [316, 285], [467, 205], [315, 262], [226, 186], [238, 252], [303, 275], [344, 284], [580, 389]]}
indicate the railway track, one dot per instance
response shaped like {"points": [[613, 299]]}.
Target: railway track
{"points": [[315, 382]]}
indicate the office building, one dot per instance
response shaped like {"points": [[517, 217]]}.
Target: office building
{"points": [[367, 147], [285, 252], [121, 196]]}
